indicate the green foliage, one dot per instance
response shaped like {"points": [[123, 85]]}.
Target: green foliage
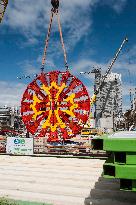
{"points": [[4, 201]]}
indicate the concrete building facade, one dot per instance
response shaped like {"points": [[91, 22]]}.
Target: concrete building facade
{"points": [[109, 100]]}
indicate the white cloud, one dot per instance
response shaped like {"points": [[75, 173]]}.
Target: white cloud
{"points": [[117, 5], [11, 93], [125, 64], [25, 15], [86, 65], [30, 68], [126, 88], [31, 18]]}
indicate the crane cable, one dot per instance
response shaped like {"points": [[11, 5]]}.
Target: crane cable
{"points": [[54, 11], [47, 40], [62, 42]]}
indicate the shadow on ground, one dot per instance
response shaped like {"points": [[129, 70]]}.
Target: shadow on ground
{"points": [[106, 192]]}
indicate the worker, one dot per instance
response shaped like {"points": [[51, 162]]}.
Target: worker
{"points": [[55, 4]]}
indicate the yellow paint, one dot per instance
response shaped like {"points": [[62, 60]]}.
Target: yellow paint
{"points": [[53, 84], [70, 133], [74, 106], [93, 99], [69, 112], [47, 122], [33, 107]]}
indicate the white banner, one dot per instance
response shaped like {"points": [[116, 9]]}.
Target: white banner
{"points": [[19, 146], [106, 122]]}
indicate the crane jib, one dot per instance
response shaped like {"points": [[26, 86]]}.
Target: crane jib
{"points": [[111, 65]]}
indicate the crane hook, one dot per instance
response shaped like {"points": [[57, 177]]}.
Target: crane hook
{"points": [[55, 5]]}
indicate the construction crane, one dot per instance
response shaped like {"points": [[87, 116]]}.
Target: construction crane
{"points": [[3, 6], [101, 79], [96, 91], [111, 65]]}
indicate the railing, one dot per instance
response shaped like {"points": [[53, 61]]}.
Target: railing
{"points": [[76, 150]]}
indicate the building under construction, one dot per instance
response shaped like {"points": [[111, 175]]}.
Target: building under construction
{"points": [[108, 104], [10, 118]]}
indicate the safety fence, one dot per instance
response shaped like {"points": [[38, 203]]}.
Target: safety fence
{"points": [[29, 146]]}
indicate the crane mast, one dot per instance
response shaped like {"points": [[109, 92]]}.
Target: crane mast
{"points": [[3, 6], [107, 72], [111, 65], [103, 78], [96, 91]]}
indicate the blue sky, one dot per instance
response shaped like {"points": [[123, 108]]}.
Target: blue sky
{"points": [[92, 29]]}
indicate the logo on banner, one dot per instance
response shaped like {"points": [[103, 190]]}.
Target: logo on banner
{"points": [[19, 141]]}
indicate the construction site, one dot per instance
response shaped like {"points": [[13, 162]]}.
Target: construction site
{"points": [[61, 144]]}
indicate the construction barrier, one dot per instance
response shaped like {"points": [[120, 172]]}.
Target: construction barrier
{"points": [[121, 163]]}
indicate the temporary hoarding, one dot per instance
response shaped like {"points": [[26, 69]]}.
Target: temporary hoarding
{"points": [[19, 146], [92, 123], [106, 123], [2, 144]]}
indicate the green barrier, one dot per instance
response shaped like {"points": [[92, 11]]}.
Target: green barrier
{"points": [[119, 171], [121, 163], [119, 145]]}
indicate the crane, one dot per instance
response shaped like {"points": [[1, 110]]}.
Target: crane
{"points": [[54, 11], [97, 73], [3, 6], [96, 91], [111, 65]]}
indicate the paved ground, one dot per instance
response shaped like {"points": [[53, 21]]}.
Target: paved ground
{"points": [[59, 181]]}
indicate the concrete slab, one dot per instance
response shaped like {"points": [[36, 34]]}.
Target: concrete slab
{"points": [[59, 181]]}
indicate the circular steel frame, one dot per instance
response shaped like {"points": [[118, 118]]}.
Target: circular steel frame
{"points": [[55, 105]]}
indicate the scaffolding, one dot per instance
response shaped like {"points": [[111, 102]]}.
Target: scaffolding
{"points": [[109, 101]]}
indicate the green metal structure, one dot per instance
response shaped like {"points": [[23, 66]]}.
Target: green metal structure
{"points": [[121, 161]]}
